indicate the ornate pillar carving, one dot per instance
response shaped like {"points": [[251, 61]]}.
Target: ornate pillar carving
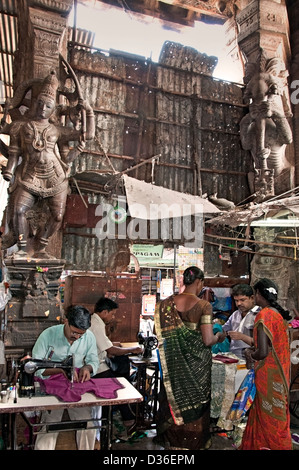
{"points": [[279, 270], [293, 10], [265, 131], [42, 28], [34, 283], [263, 24]]}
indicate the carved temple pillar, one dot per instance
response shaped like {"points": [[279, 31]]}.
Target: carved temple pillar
{"points": [[279, 268], [41, 37], [34, 283], [264, 41], [263, 24], [293, 10]]}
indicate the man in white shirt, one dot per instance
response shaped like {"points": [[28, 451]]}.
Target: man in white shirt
{"points": [[239, 326], [104, 313]]}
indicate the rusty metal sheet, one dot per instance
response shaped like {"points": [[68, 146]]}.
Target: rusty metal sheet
{"points": [[251, 212], [174, 109]]}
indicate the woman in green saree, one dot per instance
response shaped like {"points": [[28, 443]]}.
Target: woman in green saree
{"points": [[183, 325]]}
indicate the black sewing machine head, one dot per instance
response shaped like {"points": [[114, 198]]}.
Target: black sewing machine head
{"points": [[28, 366], [149, 343]]}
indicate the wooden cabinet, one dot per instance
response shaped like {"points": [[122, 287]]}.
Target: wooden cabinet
{"points": [[86, 288]]}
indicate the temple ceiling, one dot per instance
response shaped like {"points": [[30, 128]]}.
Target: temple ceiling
{"points": [[183, 12]]}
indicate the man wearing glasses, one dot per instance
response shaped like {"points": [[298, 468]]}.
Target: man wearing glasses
{"points": [[61, 341]]}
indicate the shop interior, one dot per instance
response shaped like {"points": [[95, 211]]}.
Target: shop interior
{"points": [[169, 172]]}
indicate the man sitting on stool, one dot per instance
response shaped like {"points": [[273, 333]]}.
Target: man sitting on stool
{"points": [[71, 338], [104, 313]]}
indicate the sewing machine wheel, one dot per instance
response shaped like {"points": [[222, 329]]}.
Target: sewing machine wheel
{"points": [[152, 343]]}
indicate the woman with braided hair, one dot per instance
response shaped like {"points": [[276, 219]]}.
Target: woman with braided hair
{"points": [[184, 328], [268, 423]]}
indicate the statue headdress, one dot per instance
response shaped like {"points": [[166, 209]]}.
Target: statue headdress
{"points": [[49, 86]]}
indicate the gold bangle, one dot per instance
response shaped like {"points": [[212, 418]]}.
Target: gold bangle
{"points": [[206, 320]]}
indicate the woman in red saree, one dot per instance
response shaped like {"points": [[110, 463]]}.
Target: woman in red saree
{"points": [[268, 425]]}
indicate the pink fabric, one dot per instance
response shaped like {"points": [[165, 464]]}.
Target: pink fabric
{"points": [[295, 323], [62, 388], [225, 359]]}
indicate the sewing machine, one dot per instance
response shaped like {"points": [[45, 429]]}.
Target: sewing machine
{"points": [[29, 366], [149, 343]]}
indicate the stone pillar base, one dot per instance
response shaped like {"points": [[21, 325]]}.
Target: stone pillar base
{"points": [[35, 304]]}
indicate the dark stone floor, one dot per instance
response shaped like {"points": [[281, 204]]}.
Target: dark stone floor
{"points": [[146, 443], [219, 442]]}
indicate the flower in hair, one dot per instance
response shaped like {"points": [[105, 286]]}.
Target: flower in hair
{"points": [[271, 290]]}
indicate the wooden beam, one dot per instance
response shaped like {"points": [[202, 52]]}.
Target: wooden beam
{"points": [[270, 255], [248, 240]]}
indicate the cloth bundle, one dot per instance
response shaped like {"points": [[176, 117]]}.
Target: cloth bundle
{"points": [[225, 359], [244, 398], [63, 389]]}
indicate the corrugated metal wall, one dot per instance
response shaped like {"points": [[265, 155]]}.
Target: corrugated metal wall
{"points": [[82, 250], [8, 43], [175, 109]]}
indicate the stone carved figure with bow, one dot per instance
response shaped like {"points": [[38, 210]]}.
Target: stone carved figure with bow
{"points": [[38, 157]]}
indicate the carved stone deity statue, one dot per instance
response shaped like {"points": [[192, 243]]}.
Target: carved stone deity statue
{"points": [[38, 159], [265, 130]]}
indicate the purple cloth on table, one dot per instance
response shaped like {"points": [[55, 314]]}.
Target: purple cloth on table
{"points": [[62, 388]]}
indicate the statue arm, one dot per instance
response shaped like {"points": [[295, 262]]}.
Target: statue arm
{"points": [[75, 152], [69, 156], [83, 116], [70, 134], [283, 129], [12, 162], [90, 122], [14, 152], [246, 132], [276, 111]]}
